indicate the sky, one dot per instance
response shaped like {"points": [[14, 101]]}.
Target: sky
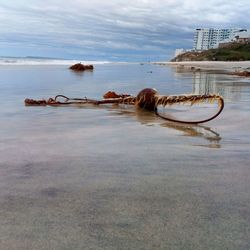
{"points": [[113, 30]]}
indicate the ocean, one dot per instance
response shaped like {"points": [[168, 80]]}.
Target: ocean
{"points": [[110, 177]]}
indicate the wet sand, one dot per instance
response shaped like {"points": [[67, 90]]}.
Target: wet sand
{"points": [[119, 178], [218, 65]]}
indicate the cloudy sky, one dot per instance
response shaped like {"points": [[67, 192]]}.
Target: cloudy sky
{"points": [[117, 30]]}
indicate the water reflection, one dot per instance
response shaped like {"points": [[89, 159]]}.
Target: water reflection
{"points": [[208, 83], [82, 73], [205, 81], [199, 131]]}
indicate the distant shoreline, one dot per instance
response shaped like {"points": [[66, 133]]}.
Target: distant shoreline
{"points": [[210, 64]]}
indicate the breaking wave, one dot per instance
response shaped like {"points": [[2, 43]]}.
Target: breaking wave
{"points": [[43, 61]]}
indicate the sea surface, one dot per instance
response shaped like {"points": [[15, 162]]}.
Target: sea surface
{"points": [[85, 177]]}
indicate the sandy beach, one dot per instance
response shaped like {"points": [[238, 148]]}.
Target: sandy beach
{"points": [[232, 66], [115, 177]]}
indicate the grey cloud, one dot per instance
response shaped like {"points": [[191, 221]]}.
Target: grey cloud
{"points": [[124, 29]]}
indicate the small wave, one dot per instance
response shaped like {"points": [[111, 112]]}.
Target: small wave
{"points": [[39, 61]]}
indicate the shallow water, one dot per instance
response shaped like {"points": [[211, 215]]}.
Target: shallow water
{"points": [[120, 178]]}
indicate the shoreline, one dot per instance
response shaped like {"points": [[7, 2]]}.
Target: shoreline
{"points": [[220, 65]]}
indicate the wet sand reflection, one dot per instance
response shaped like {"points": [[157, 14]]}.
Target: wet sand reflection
{"points": [[150, 119]]}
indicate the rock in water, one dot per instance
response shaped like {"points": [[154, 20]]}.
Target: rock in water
{"points": [[81, 67], [146, 99]]}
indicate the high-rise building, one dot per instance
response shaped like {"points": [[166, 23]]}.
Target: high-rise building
{"points": [[209, 38]]}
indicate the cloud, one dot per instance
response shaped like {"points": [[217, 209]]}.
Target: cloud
{"points": [[127, 30]]}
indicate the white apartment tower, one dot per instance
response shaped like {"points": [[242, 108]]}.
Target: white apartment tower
{"points": [[209, 38]]}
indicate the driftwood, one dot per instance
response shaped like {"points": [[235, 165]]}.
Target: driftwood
{"points": [[81, 67], [148, 99]]}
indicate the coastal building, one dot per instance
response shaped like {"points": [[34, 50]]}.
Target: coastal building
{"points": [[210, 38], [243, 37], [243, 40]]}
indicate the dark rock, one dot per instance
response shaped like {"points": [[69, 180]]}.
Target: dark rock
{"points": [[81, 67]]}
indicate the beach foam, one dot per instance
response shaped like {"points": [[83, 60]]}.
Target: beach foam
{"points": [[43, 61]]}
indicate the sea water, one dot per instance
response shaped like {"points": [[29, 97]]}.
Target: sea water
{"points": [[85, 177]]}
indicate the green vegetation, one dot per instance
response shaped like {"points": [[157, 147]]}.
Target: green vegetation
{"points": [[234, 52]]}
